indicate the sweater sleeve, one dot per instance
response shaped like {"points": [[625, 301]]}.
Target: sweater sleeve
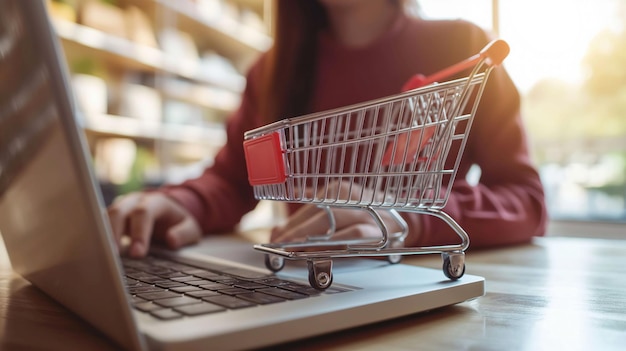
{"points": [[507, 205], [220, 197]]}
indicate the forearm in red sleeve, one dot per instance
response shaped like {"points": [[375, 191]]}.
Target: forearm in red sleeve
{"points": [[507, 205], [220, 197], [491, 215]]}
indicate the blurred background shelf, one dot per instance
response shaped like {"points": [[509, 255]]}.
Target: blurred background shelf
{"points": [[157, 79], [129, 127], [82, 40], [235, 28], [229, 36]]}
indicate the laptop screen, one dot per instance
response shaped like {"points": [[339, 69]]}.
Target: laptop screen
{"points": [[51, 213], [27, 108]]}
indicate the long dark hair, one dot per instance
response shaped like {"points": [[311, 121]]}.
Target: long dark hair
{"points": [[290, 63], [289, 72]]}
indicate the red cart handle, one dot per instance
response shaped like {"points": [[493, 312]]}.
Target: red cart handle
{"points": [[493, 53]]}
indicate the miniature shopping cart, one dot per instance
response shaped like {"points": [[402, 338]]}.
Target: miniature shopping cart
{"points": [[395, 154]]}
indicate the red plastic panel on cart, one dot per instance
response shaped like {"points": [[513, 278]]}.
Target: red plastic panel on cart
{"points": [[408, 146], [264, 160]]}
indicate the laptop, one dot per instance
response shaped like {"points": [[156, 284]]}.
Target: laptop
{"points": [[54, 225]]}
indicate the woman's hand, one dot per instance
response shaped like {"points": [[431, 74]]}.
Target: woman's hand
{"points": [[141, 216], [351, 223]]}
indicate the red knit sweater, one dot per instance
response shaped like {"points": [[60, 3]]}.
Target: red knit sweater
{"points": [[506, 206]]}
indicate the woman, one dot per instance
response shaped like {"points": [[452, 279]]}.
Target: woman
{"points": [[332, 53]]}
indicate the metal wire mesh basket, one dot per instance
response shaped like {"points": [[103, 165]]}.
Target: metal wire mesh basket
{"points": [[397, 154]]}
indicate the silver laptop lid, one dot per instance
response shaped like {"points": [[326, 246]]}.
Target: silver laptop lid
{"points": [[51, 214]]}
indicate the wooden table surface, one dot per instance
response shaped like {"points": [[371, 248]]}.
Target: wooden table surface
{"points": [[554, 294]]}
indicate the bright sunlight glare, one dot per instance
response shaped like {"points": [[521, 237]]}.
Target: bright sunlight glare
{"points": [[547, 38]]}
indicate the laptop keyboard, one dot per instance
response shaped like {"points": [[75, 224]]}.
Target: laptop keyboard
{"points": [[171, 290]]}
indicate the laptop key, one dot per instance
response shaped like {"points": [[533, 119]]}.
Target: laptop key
{"points": [[157, 270], [184, 278], [285, 294], [161, 281], [185, 289], [137, 285], [300, 288], [198, 282], [214, 267], [249, 285], [260, 298], [176, 301], [234, 291], [273, 281], [144, 289], [135, 299], [194, 271], [206, 275], [215, 286], [176, 266], [166, 314], [144, 277], [171, 275], [225, 279], [244, 273], [147, 306], [202, 293], [170, 284], [199, 308], [149, 278], [229, 301], [158, 295], [131, 281]]}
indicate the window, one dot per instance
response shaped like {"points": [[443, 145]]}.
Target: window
{"points": [[568, 58]]}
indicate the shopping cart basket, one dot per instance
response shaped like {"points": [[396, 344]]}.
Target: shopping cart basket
{"points": [[397, 154]]}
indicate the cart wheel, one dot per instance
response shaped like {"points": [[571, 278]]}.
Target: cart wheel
{"points": [[394, 259], [274, 263], [320, 274], [454, 265]]}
